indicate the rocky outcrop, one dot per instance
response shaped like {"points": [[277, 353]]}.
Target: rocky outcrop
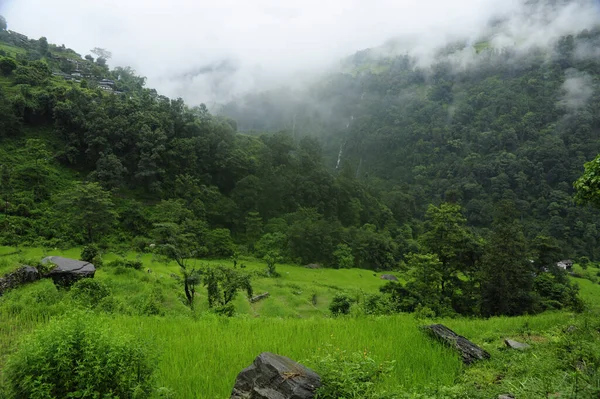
{"points": [[516, 344], [467, 349], [67, 271], [272, 376], [389, 277], [259, 297], [21, 276]]}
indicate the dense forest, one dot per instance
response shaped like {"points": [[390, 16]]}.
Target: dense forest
{"points": [[460, 175]]}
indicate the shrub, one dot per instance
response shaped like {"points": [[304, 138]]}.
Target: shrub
{"points": [[7, 65], [341, 304], [126, 263], [377, 304], [91, 253], [89, 292], [79, 357], [349, 375]]}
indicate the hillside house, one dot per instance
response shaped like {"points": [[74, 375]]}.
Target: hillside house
{"points": [[566, 264]]}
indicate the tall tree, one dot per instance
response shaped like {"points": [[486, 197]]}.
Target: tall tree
{"points": [[88, 209], [507, 273], [457, 248]]}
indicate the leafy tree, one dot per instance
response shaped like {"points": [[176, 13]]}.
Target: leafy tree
{"points": [[7, 65], [587, 186], [426, 271], [3, 24], [272, 258], [43, 45], [456, 247], [109, 172], [222, 285], [343, 256], [180, 246], [507, 274], [254, 228], [88, 209]]}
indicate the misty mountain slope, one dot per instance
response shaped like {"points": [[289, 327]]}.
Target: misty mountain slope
{"points": [[476, 126]]}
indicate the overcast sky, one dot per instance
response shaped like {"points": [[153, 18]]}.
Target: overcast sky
{"points": [[260, 42]]}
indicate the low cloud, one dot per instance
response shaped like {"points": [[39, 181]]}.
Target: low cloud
{"points": [[209, 51], [577, 89]]}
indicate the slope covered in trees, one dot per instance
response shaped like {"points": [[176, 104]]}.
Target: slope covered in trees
{"points": [[462, 178], [476, 126]]}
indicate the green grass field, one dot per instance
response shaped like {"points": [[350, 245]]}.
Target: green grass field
{"points": [[200, 353]]}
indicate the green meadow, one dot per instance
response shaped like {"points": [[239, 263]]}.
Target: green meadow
{"points": [[200, 354]]}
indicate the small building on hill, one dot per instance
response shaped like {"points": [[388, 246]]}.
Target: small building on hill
{"points": [[566, 264]]}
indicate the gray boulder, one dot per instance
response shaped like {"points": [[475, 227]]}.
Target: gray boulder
{"points": [[506, 397], [516, 345], [389, 277], [467, 349], [275, 377], [68, 271], [21, 276]]}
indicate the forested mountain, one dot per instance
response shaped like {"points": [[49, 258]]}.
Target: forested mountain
{"points": [[477, 126], [459, 172]]}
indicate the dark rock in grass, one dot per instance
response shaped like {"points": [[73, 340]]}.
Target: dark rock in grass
{"points": [[516, 345], [259, 297], [571, 329], [389, 277], [21, 276], [67, 271], [467, 349], [275, 377]]}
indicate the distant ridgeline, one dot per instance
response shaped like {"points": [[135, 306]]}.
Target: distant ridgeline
{"points": [[477, 126], [80, 164]]}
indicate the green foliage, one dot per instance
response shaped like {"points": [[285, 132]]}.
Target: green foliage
{"points": [[219, 243], [272, 258], [349, 376], [127, 263], [222, 284], [89, 253], [89, 292], [507, 274], [7, 65], [88, 210], [340, 304], [343, 256], [79, 356], [587, 186], [35, 73]]}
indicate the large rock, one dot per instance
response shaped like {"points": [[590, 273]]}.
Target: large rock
{"points": [[467, 349], [275, 377], [389, 277], [68, 271], [21, 276]]}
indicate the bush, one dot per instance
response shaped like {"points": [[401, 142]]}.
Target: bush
{"points": [[89, 253], [79, 357], [89, 292], [349, 376], [377, 304], [7, 65], [341, 304], [126, 263]]}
